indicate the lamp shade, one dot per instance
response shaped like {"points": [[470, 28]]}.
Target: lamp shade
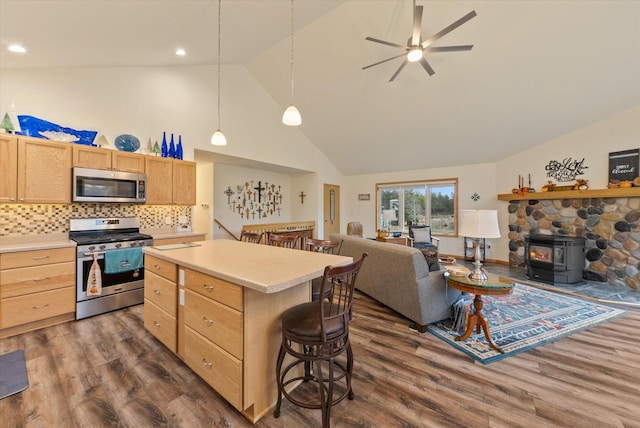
{"points": [[479, 224], [291, 116], [389, 215], [218, 139]]}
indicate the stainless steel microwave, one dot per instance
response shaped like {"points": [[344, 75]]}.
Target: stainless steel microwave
{"points": [[101, 186]]}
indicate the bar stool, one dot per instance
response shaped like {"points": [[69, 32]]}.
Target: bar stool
{"points": [[317, 333], [326, 247], [284, 241], [252, 237]]}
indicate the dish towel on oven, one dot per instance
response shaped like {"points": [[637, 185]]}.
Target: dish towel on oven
{"points": [[94, 287], [116, 261]]}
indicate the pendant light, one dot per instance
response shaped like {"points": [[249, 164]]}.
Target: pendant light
{"points": [[218, 138], [291, 115]]}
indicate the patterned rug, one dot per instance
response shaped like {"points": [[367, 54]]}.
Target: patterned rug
{"points": [[527, 318]]}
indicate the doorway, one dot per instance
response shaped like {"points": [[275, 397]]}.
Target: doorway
{"points": [[331, 209]]}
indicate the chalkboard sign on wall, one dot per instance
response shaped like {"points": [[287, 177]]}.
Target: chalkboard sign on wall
{"points": [[623, 165]]}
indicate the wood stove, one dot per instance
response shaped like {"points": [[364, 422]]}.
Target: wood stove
{"points": [[554, 259]]}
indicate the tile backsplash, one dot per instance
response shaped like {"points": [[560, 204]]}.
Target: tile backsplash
{"points": [[36, 219]]}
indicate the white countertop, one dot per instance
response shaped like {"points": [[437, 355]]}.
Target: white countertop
{"points": [[169, 233], [12, 244], [260, 267]]}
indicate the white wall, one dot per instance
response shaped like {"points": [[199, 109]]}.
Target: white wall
{"points": [[479, 178], [203, 211], [225, 176], [145, 101]]}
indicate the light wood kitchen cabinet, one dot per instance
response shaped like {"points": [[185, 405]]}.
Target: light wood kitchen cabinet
{"points": [[37, 289], [99, 158], [161, 301], [8, 168], [170, 181], [44, 171], [214, 332]]}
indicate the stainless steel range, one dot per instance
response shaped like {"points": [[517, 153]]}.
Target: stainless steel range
{"points": [[99, 239]]}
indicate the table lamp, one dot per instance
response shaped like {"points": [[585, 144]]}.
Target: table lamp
{"points": [[479, 224], [388, 216]]}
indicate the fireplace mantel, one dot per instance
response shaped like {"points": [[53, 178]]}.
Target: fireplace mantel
{"points": [[628, 192]]}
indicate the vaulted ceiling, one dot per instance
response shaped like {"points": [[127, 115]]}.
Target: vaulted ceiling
{"points": [[538, 69]]}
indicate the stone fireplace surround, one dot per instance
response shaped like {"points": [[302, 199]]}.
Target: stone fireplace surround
{"points": [[609, 226]]}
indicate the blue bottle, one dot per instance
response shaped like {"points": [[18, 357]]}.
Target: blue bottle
{"points": [[172, 148], [179, 148], [165, 149]]}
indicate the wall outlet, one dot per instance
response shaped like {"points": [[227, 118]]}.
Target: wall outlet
{"points": [[167, 220]]}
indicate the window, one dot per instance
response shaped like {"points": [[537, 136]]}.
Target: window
{"points": [[431, 202]]}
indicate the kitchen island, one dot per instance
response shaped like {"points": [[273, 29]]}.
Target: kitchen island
{"points": [[217, 305]]}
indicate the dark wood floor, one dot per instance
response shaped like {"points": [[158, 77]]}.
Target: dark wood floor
{"points": [[108, 371]]}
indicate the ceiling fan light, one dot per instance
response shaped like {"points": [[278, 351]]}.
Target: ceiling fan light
{"points": [[218, 138], [292, 116], [414, 55]]}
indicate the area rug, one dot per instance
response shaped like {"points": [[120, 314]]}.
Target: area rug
{"points": [[527, 318]]}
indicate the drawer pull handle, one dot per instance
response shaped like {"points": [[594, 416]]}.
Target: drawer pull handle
{"points": [[157, 292], [156, 323], [206, 364], [208, 287], [157, 267], [207, 321], [40, 257], [40, 306]]}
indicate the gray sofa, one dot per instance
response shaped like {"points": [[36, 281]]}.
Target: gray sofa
{"points": [[399, 277]]}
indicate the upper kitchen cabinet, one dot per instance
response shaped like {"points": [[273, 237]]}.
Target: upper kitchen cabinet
{"points": [[8, 168], [44, 171], [98, 158], [170, 181], [184, 182]]}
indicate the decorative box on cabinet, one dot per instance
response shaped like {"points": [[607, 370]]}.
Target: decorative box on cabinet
{"points": [[37, 289]]}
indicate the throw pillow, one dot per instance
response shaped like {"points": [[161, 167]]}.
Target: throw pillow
{"points": [[422, 235]]}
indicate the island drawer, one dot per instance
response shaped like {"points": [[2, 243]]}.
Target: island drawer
{"points": [[220, 290], [161, 267], [162, 325], [218, 323], [218, 368], [37, 257], [162, 292], [34, 279], [38, 306]]}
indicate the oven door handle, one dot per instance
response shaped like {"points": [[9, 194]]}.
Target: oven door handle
{"points": [[95, 252]]}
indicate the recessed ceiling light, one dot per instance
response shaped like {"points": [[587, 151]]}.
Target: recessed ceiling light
{"points": [[181, 52], [17, 49]]}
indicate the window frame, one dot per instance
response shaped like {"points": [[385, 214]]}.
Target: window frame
{"points": [[428, 185]]}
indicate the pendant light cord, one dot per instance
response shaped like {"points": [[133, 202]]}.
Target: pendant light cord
{"points": [[219, 43], [291, 52]]}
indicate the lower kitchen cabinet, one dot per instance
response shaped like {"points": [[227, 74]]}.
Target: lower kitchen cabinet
{"points": [[161, 301], [37, 289]]}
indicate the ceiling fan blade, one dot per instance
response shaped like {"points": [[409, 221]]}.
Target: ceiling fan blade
{"points": [[427, 67], [417, 25], [448, 29], [383, 61], [448, 48], [398, 70], [395, 45]]}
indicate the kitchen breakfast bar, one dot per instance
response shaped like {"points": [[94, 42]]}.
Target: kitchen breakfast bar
{"points": [[217, 305]]}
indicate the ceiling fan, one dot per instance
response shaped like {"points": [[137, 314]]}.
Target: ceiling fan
{"points": [[416, 48]]}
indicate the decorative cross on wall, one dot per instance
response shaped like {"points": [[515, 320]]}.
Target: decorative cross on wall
{"points": [[268, 201], [302, 195]]}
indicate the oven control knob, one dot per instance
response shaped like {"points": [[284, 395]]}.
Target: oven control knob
{"points": [[118, 245], [92, 247], [134, 244], [141, 244], [102, 247]]}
